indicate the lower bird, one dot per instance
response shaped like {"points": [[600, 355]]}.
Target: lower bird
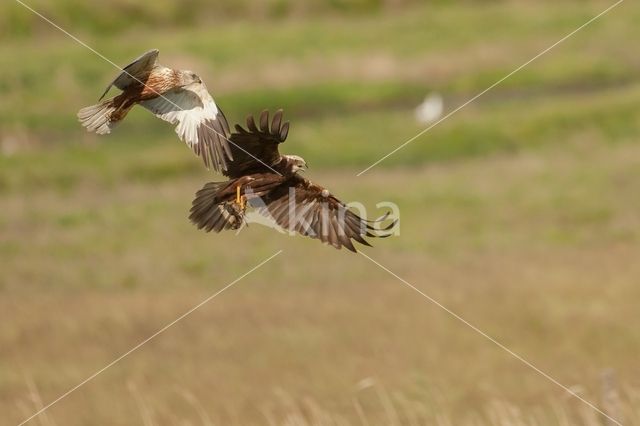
{"points": [[262, 178], [177, 96]]}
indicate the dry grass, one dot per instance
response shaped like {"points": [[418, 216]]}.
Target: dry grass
{"points": [[544, 261], [382, 407]]}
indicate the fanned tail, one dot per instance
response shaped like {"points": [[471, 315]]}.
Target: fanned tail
{"points": [[104, 116], [208, 212]]}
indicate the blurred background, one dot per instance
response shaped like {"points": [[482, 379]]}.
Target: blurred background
{"points": [[521, 213]]}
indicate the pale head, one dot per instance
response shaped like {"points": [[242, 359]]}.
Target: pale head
{"points": [[188, 77], [296, 163]]}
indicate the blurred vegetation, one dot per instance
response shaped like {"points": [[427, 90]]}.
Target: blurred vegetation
{"points": [[520, 212], [346, 83], [112, 16]]}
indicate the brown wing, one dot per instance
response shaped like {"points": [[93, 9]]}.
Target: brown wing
{"points": [[136, 72], [255, 149], [311, 210]]}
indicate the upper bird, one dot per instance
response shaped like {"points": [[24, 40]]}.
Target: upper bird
{"points": [[271, 183], [177, 96]]}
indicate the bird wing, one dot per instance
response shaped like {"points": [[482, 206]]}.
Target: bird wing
{"points": [[200, 124], [255, 149], [136, 72], [312, 211], [210, 213]]}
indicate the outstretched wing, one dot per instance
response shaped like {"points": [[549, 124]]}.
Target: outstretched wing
{"points": [[311, 210], [255, 149], [200, 124], [136, 72]]}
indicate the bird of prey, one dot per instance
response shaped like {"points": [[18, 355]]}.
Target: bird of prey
{"points": [[262, 178], [177, 96]]}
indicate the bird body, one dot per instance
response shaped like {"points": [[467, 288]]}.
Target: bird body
{"points": [[177, 96], [272, 184]]}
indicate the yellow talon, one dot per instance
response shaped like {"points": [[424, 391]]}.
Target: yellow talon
{"points": [[241, 200]]}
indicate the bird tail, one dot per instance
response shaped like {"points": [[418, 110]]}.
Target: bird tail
{"points": [[102, 117], [210, 213]]}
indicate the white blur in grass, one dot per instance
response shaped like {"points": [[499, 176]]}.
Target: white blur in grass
{"points": [[430, 109]]}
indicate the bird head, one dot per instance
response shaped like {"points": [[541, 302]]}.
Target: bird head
{"points": [[188, 77], [296, 163]]}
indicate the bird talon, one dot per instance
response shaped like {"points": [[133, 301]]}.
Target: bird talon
{"points": [[241, 200]]}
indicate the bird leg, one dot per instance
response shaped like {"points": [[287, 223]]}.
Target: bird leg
{"points": [[241, 200], [237, 208]]}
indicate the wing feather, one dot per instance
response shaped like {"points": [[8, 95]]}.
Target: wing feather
{"points": [[322, 217], [255, 149], [264, 121], [284, 131], [277, 120], [136, 71], [199, 122]]}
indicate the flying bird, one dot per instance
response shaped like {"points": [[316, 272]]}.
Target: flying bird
{"points": [[177, 96], [262, 178]]}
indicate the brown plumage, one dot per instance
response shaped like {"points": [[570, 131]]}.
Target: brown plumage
{"points": [[270, 183], [177, 96]]}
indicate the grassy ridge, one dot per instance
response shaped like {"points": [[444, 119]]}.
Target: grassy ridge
{"points": [[351, 84], [112, 16], [146, 151]]}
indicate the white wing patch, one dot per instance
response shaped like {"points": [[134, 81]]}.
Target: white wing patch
{"points": [[200, 124]]}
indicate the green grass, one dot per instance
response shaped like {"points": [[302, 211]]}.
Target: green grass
{"points": [[390, 61], [607, 116], [519, 212]]}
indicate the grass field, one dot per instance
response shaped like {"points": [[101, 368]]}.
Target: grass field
{"points": [[521, 213]]}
